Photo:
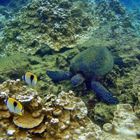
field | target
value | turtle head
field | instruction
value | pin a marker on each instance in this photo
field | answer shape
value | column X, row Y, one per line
column 77, row 80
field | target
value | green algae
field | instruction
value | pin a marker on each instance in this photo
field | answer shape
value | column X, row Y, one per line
column 103, row 113
column 13, row 66
column 12, row 62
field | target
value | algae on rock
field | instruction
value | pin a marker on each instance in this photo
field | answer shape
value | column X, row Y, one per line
column 48, row 22
column 13, row 66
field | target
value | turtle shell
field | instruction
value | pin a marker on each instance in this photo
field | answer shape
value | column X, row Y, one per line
column 95, row 61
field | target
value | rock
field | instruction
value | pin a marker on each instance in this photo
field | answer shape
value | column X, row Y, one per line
column 10, row 132
column 103, row 113
column 4, row 114
column 45, row 50
column 107, row 127
column 65, row 4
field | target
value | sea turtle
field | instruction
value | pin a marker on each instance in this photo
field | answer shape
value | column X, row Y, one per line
column 88, row 66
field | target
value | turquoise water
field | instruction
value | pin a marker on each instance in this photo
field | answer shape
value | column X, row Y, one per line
column 131, row 4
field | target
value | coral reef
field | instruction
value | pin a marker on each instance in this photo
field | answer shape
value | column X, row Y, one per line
column 125, row 124
column 52, row 32
column 61, row 117
column 5, row 14
column 16, row 5
column 57, row 24
column 8, row 9
column 2, row 20
column 103, row 113
column 109, row 10
column 12, row 5
column 54, row 117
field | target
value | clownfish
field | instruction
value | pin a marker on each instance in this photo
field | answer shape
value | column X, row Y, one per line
column 30, row 78
column 14, row 106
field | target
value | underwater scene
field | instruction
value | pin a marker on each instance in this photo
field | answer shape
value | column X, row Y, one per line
column 69, row 69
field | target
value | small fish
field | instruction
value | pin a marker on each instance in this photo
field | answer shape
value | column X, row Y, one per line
column 30, row 78
column 14, row 106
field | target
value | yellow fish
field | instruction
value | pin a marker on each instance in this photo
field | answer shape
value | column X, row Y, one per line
column 14, row 106
column 30, row 78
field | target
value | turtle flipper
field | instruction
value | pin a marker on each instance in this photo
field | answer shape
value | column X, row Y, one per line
column 59, row 75
column 103, row 94
column 77, row 80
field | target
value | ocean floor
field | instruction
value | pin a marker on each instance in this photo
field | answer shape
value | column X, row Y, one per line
column 47, row 35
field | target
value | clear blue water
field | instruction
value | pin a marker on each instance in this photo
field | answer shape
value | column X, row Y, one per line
column 4, row 2
column 131, row 4
column 127, row 3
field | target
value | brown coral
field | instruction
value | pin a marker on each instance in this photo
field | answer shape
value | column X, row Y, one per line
column 62, row 117
column 27, row 120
